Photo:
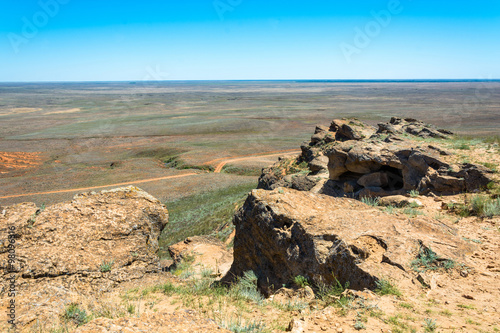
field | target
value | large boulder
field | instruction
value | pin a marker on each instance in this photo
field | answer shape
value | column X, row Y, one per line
column 87, row 245
column 284, row 233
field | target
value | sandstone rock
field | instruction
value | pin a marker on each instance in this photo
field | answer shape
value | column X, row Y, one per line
column 296, row 326
column 89, row 245
column 207, row 252
column 381, row 165
column 284, row 233
column 399, row 201
column 319, row 164
column 287, row 295
column 399, row 166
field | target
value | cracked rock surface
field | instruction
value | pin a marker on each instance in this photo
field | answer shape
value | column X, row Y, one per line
column 284, row 233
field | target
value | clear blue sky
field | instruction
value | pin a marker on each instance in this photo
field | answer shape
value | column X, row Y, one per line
column 104, row 40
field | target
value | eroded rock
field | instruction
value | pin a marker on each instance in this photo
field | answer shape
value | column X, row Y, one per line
column 284, row 233
column 361, row 161
column 84, row 246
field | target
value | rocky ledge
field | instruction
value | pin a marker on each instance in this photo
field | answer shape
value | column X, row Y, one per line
column 351, row 158
column 285, row 233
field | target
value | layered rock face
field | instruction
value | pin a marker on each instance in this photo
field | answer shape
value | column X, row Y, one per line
column 87, row 245
column 284, row 233
column 354, row 159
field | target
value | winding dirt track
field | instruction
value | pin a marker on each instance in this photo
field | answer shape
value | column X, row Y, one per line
column 221, row 165
column 218, row 169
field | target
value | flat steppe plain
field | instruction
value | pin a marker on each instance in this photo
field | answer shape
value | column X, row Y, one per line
column 64, row 136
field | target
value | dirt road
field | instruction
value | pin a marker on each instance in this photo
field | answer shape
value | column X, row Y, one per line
column 221, row 165
column 218, row 169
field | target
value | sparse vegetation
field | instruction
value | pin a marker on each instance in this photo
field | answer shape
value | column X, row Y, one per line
column 412, row 212
column 76, row 315
column 385, row 287
column 300, row 281
column 429, row 325
column 241, row 171
column 414, row 193
column 429, row 260
column 106, row 266
column 202, row 214
column 374, row 202
column 477, row 205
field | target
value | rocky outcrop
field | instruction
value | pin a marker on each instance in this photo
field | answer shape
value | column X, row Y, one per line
column 381, row 168
column 354, row 159
column 284, row 233
column 88, row 245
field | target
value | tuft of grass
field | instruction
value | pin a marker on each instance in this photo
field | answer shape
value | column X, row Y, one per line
column 461, row 144
column 446, row 313
column 106, row 266
column 477, row 205
column 246, row 288
column 429, row 260
column 414, row 193
column 239, row 326
column 406, row 305
column 325, row 291
column 76, row 315
column 389, row 209
column 429, row 325
column 412, row 212
column 291, row 306
column 374, row 202
column 385, row 287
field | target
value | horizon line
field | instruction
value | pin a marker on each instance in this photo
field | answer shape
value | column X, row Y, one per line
column 257, row 80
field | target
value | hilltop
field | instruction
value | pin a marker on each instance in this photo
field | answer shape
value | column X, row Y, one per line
column 389, row 228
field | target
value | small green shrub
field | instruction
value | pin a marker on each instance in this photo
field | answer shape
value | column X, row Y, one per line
column 492, row 208
column 414, row 193
column 76, row 315
column 300, row 281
